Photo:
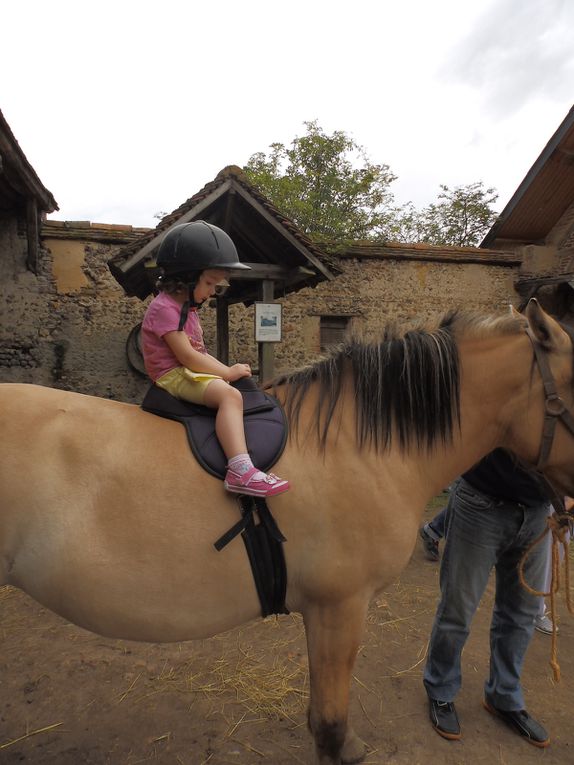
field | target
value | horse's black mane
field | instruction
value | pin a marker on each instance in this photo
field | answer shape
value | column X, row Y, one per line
column 406, row 385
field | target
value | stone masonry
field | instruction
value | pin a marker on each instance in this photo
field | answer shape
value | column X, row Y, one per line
column 68, row 326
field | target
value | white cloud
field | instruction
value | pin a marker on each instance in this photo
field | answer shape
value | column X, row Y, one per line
column 519, row 50
column 127, row 108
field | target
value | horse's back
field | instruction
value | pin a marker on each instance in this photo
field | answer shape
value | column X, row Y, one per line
column 106, row 518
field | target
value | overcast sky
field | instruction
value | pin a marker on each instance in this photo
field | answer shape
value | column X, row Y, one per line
column 128, row 108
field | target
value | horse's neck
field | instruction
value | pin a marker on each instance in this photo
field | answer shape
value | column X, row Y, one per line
column 496, row 390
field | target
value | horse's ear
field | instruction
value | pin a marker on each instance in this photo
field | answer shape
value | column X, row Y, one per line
column 545, row 329
column 513, row 312
column 518, row 315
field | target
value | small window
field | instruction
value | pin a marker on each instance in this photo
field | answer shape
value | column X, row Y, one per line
column 332, row 330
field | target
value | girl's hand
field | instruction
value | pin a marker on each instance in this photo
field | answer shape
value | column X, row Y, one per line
column 237, row 371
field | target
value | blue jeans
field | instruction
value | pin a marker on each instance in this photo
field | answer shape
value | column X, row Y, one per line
column 437, row 527
column 483, row 534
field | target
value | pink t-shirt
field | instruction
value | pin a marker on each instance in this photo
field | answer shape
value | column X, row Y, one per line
column 162, row 316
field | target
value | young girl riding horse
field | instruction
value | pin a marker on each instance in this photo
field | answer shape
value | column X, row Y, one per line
column 195, row 258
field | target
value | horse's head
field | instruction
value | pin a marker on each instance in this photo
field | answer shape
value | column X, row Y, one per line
column 551, row 416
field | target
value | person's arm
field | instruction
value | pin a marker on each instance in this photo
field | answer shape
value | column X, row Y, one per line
column 188, row 357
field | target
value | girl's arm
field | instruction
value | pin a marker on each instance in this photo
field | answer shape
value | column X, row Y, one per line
column 188, row 357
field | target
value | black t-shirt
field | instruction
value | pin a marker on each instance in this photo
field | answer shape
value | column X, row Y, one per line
column 500, row 476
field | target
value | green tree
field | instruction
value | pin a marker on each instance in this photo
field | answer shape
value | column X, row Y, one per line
column 327, row 185
column 461, row 217
column 332, row 191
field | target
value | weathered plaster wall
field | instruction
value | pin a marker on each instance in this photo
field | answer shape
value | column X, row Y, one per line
column 68, row 326
column 65, row 327
column 94, row 320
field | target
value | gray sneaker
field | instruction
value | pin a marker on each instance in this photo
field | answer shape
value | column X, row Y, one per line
column 543, row 623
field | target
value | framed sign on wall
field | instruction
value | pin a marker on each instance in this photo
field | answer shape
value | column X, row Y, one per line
column 268, row 322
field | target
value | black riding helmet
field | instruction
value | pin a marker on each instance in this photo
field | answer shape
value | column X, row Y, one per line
column 195, row 247
column 190, row 248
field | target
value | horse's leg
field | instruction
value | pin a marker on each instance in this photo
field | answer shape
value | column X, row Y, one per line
column 333, row 635
column 354, row 748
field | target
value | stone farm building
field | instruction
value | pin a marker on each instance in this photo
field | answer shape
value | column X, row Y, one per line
column 74, row 292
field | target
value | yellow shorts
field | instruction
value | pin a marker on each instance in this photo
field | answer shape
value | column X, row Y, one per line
column 185, row 384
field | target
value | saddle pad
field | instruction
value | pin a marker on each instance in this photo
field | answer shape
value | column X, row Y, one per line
column 263, row 418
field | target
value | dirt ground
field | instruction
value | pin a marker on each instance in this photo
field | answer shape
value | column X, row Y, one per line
column 68, row 697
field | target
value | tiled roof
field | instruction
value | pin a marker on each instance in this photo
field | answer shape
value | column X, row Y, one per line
column 422, row 251
column 110, row 233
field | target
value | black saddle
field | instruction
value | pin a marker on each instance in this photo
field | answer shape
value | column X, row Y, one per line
column 266, row 435
column 263, row 417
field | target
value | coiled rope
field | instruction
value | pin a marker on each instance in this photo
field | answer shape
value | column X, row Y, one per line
column 558, row 524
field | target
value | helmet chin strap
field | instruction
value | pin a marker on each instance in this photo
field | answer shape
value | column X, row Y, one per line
column 189, row 303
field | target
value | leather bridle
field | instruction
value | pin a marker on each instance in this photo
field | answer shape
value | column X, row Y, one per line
column 554, row 409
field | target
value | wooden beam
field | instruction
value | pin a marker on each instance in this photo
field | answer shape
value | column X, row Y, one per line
column 268, row 271
column 222, row 329
column 229, row 210
column 524, row 286
column 33, row 233
column 431, row 253
column 266, row 350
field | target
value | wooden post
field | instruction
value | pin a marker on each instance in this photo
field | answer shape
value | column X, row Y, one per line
column 33, row 233
column 221, row 304
column 266, row 350
column 222, row 329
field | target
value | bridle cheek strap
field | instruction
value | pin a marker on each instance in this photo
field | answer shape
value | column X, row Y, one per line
column 554, row 408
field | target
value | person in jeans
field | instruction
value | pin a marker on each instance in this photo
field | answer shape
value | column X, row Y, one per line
column 543, row 622
column 435, row 530
column 496, row 510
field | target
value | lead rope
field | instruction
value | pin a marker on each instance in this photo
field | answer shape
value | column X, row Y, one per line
column 557, row 525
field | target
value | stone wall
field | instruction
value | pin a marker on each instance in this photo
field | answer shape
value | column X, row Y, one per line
column 372, row 293
column 68, row 326
column 65, row 327
column 94, row 319
column 28, row 327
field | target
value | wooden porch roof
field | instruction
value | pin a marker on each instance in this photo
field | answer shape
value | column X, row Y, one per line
column 265, row 239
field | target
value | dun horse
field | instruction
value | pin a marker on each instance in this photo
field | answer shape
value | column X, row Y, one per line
column 107, row 520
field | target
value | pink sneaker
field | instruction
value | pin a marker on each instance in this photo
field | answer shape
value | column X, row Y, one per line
column 247, row 484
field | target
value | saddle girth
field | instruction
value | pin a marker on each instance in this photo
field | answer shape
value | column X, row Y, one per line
column 264, row 545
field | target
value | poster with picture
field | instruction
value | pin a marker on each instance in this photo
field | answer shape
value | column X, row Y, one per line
column 268, row 322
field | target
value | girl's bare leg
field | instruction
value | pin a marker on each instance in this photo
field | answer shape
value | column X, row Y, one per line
column 229, row 419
